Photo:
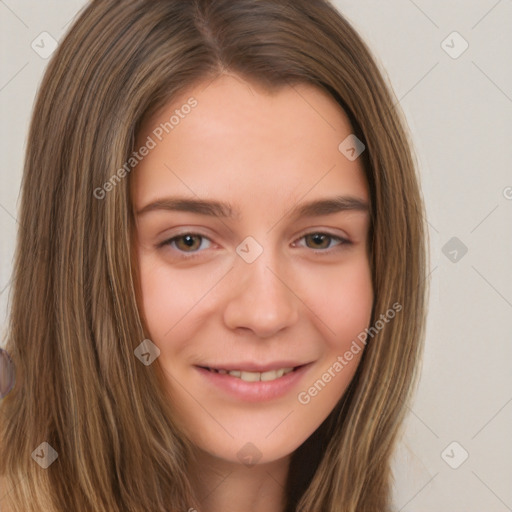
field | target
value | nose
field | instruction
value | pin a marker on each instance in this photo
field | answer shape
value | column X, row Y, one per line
column 261, row 297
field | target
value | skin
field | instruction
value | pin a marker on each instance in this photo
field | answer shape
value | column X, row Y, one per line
column 264, row 153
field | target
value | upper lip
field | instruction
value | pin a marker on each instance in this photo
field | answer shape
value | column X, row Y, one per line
column 251, row 366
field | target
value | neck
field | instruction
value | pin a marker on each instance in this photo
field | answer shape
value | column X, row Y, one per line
column 227, row 486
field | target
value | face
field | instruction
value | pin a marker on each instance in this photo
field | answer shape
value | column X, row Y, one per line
column 251, row 240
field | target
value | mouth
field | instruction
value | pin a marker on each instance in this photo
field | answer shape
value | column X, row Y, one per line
column 252, row 376
column 252, row 382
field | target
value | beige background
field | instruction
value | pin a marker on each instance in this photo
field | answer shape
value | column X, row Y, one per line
column 460, row 113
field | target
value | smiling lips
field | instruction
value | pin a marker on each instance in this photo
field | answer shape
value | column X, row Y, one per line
column 255, row 373
column 252, row 382
column 255, row 376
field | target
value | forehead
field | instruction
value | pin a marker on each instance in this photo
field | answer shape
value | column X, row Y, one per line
column 241, row 139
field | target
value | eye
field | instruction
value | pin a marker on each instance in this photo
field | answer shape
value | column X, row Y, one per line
column 323, row 241
column 192, row 243
column 186, row 242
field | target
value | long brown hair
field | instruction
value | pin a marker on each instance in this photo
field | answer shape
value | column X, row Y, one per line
column 74, row 321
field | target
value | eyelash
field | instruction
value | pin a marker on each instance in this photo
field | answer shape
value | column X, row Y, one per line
column 192, row 254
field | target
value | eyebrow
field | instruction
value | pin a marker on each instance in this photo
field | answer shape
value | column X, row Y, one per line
column 214, row 208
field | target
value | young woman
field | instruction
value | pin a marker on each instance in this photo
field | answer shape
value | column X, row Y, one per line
column 219, row 287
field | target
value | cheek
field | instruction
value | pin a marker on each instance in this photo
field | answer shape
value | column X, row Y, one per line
column 344, row 308
column 342, row 298
column 168, row 298
column 160, row 303
column 352, row 310
column 176, row 304
column 164, row 305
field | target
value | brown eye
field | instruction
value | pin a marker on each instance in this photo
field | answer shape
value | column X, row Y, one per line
column 190, row 242
column 323, row 242
column 186, row 243
column 319, row 240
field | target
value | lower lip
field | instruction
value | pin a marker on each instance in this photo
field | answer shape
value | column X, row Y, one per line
column 255, row 391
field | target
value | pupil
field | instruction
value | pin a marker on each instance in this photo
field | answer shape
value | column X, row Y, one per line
column 188, row 240
column 318, row 238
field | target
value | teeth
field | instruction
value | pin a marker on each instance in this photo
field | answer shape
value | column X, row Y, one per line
column 272, row 375
column 257, row 376
column 249, row 376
